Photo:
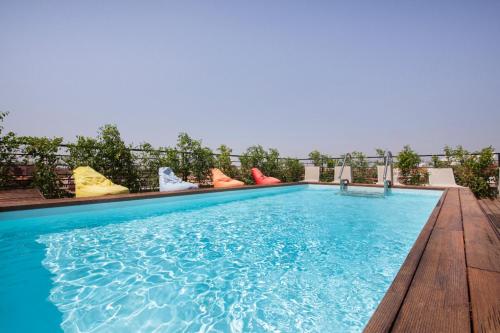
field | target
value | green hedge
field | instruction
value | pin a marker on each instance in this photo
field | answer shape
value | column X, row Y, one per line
column 138, row 169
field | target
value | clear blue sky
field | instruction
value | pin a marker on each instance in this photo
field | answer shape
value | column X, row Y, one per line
column 294, row 75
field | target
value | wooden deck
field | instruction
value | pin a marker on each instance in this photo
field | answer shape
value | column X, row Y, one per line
column 491, row 208
column 15, row 196
column 449, row 282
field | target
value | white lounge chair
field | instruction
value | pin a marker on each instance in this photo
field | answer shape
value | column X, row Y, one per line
column 395, row 176
column 346, row 174
column 380, row 174
column 311, row 174
column 442, row 177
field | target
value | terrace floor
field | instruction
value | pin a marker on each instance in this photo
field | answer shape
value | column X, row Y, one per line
column 492, row 209
column 450, row 281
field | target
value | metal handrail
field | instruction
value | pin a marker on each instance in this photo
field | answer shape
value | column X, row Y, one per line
column 387, row 160
column 343, row 164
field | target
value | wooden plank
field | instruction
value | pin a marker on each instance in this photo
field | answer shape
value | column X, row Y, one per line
column 438, row 300
column 496, row 204
column 386, row 312
column 17, row 195
column 492, row 217
column 450, row 217
column 485, row 300
column 482, row 246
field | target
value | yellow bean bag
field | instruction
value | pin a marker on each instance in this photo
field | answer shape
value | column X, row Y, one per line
column 90, row 183
column 219, row 179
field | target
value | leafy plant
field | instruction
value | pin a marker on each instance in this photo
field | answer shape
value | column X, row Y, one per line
column 361, row 171
column 474, row 170
column 107, row 154
column 149, row 161
column 316, row 157
column 116, row 159
column 42, row 152
column 224, row 163
column 292, row 170
column 8, row 146
column 408, row 164
column 380, row 155
column 326, row 164
column 195, row 159
column 85, row 152
column 436, row 162
column 257, row 157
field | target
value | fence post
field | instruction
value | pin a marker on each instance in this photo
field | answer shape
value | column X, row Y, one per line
column 498, row 175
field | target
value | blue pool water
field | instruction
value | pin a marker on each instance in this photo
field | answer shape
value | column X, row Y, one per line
column 289, row 259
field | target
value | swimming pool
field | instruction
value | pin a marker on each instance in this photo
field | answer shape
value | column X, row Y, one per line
column 288, row 259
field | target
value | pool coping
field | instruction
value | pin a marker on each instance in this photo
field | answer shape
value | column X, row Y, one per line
column 450, row 280
column 50, row 203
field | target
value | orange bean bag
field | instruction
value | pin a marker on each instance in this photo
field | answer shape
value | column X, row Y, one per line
column 260, row 179
column 219, row 179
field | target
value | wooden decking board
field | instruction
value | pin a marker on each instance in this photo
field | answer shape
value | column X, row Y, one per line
column 492, row 212
column 485, row 300
column 14, row 196
column 388, row 309
column 481, row 241
column 438, row 299
column 450, row 216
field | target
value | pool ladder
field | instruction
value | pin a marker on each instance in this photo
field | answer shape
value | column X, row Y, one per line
column 387, row 182
column 388, row 161
column 344, row 182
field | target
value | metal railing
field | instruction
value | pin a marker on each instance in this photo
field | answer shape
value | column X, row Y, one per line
column 369, row 171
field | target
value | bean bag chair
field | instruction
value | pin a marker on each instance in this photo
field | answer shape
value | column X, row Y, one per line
column 170, row 182
column 90, row 183
column 260, row 179
column 219, row 179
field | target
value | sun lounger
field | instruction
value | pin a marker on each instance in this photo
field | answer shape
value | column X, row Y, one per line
column 442, row 177
column 346, row 174
column 380, row 175
column 311, row 174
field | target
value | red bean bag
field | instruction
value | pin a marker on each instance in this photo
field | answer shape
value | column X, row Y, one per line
column 260, row 179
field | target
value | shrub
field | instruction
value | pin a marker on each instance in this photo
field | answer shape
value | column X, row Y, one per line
column 107, row 154
column 326, row 164
column 194, row 158
column 223, row 161
column 256, row 157
column 437, row 163
column 85, row 152
column 316, row 157
column 408, row 164
column 42, row 152
column 380, row 156
column 8, row 146
column 116, row 159
column 272, row 164
column 361, row 171
column 149, row 161
column 474, row 170
column 292, row 170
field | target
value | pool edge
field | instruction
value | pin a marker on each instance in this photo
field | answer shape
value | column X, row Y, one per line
column 52, row 203
column 450, row 280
